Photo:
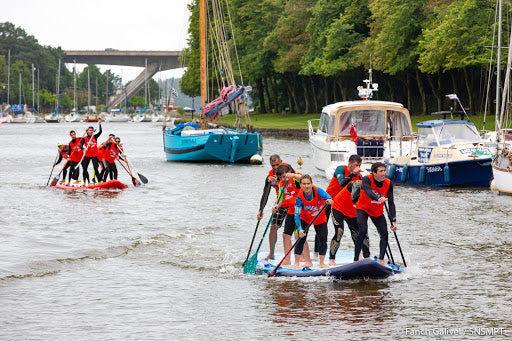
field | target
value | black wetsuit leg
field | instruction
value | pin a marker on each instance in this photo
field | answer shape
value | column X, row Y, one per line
column 321, row 232
column 354, row 231
column 382, row 228
column 300, row 244
column 337, row 220
column 85, row 164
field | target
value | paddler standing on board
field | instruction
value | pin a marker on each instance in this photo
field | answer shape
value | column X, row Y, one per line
column 375, row 191
column 64, row 152
column 289, row 182
column 111, row 153
column 278, row 218
column 308, row 207
column 90, row 144
column 75, row 157
column 343, row 175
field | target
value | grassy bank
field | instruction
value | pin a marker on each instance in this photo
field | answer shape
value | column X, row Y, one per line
column 298, row 121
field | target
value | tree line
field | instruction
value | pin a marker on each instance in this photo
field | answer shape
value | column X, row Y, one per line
column 300, row 55
column 25, row 51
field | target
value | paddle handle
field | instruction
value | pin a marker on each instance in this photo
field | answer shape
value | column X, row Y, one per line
column 273, row 272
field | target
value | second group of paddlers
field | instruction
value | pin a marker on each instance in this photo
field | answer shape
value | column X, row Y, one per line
column 81, row 151
column 349, row 198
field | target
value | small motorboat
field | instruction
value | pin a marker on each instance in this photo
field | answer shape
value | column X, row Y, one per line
column 345, row 269
column 448, row 153
column 112, row 184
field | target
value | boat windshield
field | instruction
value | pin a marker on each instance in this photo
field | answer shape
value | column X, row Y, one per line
column 368, row 122
column 457, row 133
column 426, row 137
column 326, row 124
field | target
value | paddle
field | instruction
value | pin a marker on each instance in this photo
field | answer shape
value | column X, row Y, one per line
column 134, row 181
column 141, row 177
column 274, row 272
column 265, row 191
column 250, row 266
column 56, row 179
column 47, row 182
column 396, row 237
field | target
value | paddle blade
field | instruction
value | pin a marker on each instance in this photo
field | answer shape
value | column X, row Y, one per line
column 250, row 266
column 54, row 181
column 143, row 178
column 272, row 273
column 136, row 182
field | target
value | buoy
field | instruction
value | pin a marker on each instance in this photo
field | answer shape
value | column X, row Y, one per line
column 493, row 185
column 256, row 159
column 423, row 171
column 446, row 174
column 390, row 171
column 300, row 162
column 403, row 177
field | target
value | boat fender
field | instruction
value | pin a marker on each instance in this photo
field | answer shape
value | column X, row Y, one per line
column 405, row 170
column 390, row 171
column 256, row 159
column 423, row 171
column 446, row 174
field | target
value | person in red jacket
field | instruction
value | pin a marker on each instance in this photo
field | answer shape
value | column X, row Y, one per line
column 341, row 177
column 290, row 191
column 344, row 209
column 64, row 151
column 75, row 157
column 111, row 153
column 375, row 191
column 277, row 220
column 90, row 144
column 309, row 203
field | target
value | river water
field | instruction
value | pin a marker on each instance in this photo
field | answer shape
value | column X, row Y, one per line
column 163, row 261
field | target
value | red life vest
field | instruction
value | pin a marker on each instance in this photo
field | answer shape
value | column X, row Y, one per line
column 101, row 149
column 343, row 203
column 372, row 207
column 65, row 155
column 76, row 151
column 110, row 154
column 91, row 145
column 274, row 184
column 334, row 186
column 311, row 207
column 290, row 193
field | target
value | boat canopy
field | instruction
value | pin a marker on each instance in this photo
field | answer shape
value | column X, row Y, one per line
column 446, row 132
column 373, row 119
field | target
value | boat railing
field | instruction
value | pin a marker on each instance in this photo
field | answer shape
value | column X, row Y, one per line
column 313, row 126
column 401, row 145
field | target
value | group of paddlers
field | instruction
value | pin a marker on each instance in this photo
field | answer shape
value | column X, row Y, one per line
column 81, row 151
column 349, row 198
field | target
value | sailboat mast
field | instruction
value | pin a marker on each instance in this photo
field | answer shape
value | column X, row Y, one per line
column 33, row 87
column 88, row 89
column 202, row 45
column 58, row 87
column 8, row 75
column 498, row 80
column 74, row 87
column 20, row 88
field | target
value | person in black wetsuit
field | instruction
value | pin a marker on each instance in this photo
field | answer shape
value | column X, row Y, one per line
column 90, row 144
column 278, row 218
column 64, row 152
column 375, row 191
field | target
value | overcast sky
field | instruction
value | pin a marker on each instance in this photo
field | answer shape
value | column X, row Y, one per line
column 99, row 24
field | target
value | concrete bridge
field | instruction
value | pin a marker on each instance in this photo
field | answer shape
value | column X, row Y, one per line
column 152, row 61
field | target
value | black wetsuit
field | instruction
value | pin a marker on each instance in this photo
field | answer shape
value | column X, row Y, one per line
column 379, row 222
column 87, row 159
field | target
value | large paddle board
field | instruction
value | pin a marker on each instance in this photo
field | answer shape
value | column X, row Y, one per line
column 112, row 184
column 345, row 268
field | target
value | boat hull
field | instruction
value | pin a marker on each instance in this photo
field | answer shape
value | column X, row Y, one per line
column 363, row 269
column 112, row 184
column 460, row 173
column 502, row 174
column 212, row 147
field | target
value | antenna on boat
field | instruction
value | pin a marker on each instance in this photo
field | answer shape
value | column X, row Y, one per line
column 454, row 97
column 367, row 93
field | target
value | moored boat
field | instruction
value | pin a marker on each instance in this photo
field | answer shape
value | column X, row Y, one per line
column 448, row 153
column 375, row 130
column 112, row 184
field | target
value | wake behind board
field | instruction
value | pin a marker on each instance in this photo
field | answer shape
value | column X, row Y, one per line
column 112, row 184
column 345, row 268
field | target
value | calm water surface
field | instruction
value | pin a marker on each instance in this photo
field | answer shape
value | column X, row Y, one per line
column 163, row 261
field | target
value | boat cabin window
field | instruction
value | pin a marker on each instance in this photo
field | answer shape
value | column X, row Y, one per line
column 426, row 137
column 368, row 122
column 457, row 133
column 326, row 123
